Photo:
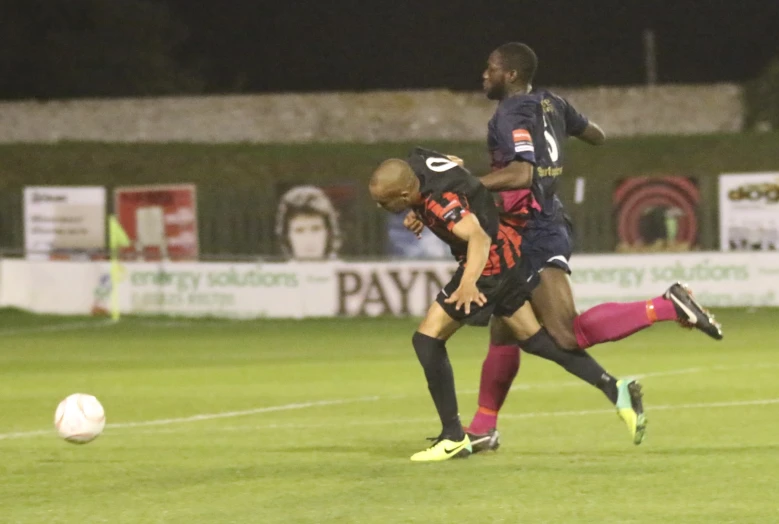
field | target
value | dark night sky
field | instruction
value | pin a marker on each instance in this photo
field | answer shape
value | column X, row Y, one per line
column 347, row 44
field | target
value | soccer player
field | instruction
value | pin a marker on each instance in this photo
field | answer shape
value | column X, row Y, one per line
column 525, row 139
column 491, row 280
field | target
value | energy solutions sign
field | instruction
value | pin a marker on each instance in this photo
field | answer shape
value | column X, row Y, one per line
column 347, row 289
column 62, row 222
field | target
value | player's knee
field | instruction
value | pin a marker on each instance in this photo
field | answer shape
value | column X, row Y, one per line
column 425, row 346
column 563, row 334
column 500, row 333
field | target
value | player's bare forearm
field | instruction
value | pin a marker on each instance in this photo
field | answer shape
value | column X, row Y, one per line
column 592, row 134
column 476, row 258
column 479, row 243
column 516, row 175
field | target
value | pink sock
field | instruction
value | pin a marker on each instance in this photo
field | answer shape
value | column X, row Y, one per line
column 484, row 420
column 615, row 321
column 497, row 374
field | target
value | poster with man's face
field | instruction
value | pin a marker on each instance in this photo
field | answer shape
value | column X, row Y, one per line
column 309, row 220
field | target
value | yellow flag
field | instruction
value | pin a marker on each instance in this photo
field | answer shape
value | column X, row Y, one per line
column 116, row 236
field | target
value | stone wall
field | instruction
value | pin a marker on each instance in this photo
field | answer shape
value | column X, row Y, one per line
column 357, row 117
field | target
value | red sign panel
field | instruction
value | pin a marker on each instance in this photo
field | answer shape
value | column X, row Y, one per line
column 657, row 214
column 161, row 221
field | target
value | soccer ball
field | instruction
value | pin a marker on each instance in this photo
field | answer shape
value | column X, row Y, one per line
column 79, row 418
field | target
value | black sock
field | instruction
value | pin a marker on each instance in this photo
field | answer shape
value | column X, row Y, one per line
column 432, row 354
column 578, row 362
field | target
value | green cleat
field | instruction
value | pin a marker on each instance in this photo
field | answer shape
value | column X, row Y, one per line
column 630, row 408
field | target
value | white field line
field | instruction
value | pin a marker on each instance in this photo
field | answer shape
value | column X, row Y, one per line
column 66, row 326
column 243, row 413
column 537, row 414
column 666, row 407
column 26, row 434
column 640, row 376
column 576, row 383
column 205, row 416
column 379, row 422
column 304, row 405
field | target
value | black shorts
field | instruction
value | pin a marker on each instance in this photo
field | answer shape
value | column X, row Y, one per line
column 505, row 293
column 547, row 242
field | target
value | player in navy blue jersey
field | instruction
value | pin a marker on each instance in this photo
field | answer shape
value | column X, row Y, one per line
column 526, row 139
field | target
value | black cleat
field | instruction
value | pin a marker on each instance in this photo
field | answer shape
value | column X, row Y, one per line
column 690, row 314
column 489, row 441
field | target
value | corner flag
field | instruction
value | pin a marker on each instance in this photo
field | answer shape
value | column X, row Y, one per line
column 117, row 239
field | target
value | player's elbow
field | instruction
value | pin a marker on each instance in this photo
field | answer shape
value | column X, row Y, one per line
column 593, row 135
column 521, row 175
column 473, row 233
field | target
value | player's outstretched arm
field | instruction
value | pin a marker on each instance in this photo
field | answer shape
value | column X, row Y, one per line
column 479, row 242
column 592, row 134
column 516, row 175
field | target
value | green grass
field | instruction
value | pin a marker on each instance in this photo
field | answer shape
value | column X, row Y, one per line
column 566, row 458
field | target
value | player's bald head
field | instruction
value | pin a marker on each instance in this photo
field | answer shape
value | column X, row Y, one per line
column 392, row 175
column 394, row 185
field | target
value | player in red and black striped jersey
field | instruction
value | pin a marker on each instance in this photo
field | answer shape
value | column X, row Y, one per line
column 491, row 280
column 447, row 199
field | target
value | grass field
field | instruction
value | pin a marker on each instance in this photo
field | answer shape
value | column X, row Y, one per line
column 314, row 421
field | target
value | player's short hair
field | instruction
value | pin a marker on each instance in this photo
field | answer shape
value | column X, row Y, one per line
column 519, row 57
column 307, row 200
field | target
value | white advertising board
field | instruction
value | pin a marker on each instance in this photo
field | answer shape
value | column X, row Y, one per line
column 749, row 212
column 330, row 289
column 63, row 221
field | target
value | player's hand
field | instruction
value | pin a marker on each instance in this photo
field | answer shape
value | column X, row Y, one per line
column 466, row 294
column 413, row 224
column 457, row 160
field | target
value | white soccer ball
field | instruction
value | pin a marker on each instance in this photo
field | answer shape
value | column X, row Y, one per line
column 79, row 418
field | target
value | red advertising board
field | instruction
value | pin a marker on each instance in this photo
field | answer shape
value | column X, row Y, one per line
column 161, row 221
column 655, row 214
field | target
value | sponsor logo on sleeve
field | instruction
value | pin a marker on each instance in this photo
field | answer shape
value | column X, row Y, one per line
column 523, row 142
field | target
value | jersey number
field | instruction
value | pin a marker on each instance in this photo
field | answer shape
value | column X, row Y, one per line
column 551, row 145
column 439, row 165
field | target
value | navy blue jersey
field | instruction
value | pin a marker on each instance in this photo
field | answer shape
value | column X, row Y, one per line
column 533, row 127
column 450, row 193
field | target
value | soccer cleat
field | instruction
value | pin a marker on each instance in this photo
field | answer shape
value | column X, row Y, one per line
column 444, row 449
column 630, row 408
column 690, row 313
column 489, row 441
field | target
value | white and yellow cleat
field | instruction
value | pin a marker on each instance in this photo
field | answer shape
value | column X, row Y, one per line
column 630, row 408
column 444, row 449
